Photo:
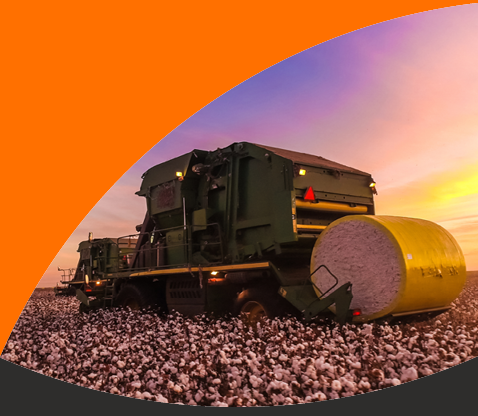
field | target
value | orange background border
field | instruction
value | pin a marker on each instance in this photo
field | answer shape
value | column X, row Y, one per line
column 88, row 88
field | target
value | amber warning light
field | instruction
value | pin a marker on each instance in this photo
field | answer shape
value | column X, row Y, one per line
column 373, row 186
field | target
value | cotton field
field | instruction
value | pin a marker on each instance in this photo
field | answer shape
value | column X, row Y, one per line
column 223, row 362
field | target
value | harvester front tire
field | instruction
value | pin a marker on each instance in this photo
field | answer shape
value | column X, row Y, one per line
column 134, row 296
column 84, row 308
column 254, row 311
column 256, row 304
column 260, row 302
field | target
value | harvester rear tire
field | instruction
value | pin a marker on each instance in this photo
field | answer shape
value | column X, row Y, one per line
column 134, row 296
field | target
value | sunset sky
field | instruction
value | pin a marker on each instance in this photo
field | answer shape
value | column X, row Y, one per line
column 398, row 100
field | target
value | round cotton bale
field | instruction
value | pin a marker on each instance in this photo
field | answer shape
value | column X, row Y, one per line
column 397, row 265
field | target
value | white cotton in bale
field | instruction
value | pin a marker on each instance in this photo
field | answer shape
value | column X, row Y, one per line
column 359, row 253
column 396, row 265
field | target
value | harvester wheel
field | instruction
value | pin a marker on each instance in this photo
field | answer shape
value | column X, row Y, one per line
column 258, row 303
column 134, row 296
column 263, row 302
column 84, row 308
column 254, row 311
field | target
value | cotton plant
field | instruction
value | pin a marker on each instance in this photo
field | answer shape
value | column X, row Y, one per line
column 222, row 362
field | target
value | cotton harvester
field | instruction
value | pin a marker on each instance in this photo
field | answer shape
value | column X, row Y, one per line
column 266, row 231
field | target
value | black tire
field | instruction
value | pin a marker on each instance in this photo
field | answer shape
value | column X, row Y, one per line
column 254, row 311
column 259, row 303
column 263, row 302
column 135, row 296
column 83, row 308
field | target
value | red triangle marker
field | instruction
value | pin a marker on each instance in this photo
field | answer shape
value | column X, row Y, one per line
column 309, row 194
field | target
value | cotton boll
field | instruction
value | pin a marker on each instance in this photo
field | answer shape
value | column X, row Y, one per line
column 184, row 378
column 408, row 374
column 320, row 396
column 334, row 395
column 283, row 357
column 389, row 348
column 377, row 374
column 255, row 381
column 425, row 371
column 198, row 397
column 348, row 386
column 455, row 360
column 219, row 404
column 366, row 330
column 364, row 385
column 355, row 365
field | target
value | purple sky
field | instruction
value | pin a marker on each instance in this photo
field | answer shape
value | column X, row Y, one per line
column 398, row 99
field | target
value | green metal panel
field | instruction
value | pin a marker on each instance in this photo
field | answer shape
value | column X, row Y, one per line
column 164, row 172
column 303, row 297
column 250, row 191
column 335, row 187
column 81, row 296
column 165, row 191
column 261, row 202
column 199, row 220
column 176, row 249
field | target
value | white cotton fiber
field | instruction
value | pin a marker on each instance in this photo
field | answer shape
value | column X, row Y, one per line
column 360, row 253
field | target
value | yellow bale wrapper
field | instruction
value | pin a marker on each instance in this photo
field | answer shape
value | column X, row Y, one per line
column 397, row 266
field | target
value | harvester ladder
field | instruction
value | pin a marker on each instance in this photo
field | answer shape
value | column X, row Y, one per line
column 108, row 296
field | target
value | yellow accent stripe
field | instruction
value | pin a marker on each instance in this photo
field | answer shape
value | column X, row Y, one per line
column 443, row 308
column 294, row 218
column 204, row 269
column 306, row 227
column 330, row 206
